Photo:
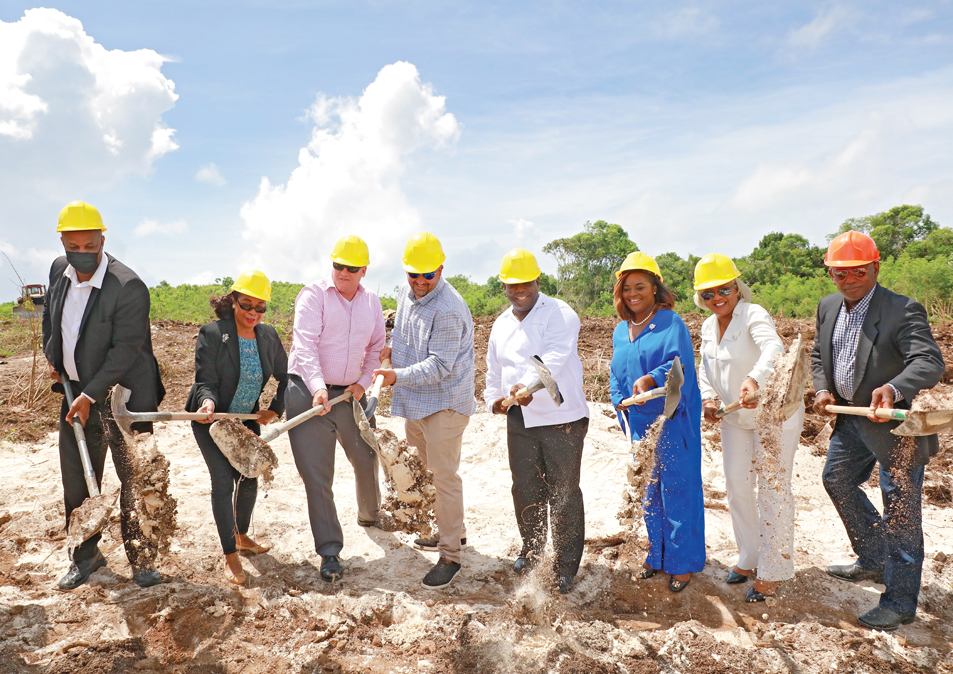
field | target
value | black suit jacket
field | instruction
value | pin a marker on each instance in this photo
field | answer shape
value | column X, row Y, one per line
column 896, row 346
column 115, row 338
column 218, row 365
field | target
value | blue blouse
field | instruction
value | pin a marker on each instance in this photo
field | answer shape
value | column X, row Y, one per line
column 249, row 383
column 652, row 352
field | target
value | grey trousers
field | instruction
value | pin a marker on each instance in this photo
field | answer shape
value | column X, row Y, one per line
column 313, row 445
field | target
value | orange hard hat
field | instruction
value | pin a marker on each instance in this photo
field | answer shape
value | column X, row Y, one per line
column 851, row 249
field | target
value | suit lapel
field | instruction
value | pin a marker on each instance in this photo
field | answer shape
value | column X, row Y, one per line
column 230, row 337
column 826, row 335
column 868, row 336
column 93, row 294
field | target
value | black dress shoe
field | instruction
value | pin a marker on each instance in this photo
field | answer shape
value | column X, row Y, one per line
column 676, row 585
column 736, row 578
column 645, row 573
column 854, row 572
column 525, row 563
column 564, row 583
column 883, row 619
column 755, row 596
column 147, row 578
column 331, row 568
column 79, row 572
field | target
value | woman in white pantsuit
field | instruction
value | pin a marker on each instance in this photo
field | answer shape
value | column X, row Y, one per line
column 739, row 344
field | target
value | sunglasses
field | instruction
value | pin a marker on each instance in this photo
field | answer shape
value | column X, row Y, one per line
column 841, row 274
column 724, row 292
column 429, row 275
column 250, row 307
column 342, row 267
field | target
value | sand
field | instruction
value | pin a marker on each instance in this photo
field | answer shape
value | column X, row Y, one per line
column 378, row 618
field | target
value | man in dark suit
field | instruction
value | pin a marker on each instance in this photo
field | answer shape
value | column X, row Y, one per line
column 96, row 330
column 874, row 349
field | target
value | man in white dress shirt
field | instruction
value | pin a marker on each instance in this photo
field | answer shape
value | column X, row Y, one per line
column 545, row 441
column 96, row 330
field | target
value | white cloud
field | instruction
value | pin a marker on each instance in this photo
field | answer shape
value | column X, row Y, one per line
column 150, row 227
column 203, row 278
column 348, row 177
column 523, row 229
column 827, row 22
column 211, row 175
column 75, row 116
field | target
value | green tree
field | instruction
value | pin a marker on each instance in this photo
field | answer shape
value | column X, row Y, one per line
column 587, row 262
column 892, row 230
column 779, row 254
column 678, row 274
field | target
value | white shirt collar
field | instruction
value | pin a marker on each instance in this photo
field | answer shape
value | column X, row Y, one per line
column 96, row 281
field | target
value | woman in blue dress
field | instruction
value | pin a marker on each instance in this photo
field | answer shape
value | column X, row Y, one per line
column 644, row 346
column 234, row 358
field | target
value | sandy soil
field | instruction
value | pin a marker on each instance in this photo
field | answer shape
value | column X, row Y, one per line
column 378, row 618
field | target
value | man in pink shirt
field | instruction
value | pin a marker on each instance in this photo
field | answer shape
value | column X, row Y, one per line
column 338, row 335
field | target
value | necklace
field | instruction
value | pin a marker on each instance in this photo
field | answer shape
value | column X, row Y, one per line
column 642, row 322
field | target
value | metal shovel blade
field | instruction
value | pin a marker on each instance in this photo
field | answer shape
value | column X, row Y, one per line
column 673, row 388
column 546, row 378
column 926, row 423
column 794, row 387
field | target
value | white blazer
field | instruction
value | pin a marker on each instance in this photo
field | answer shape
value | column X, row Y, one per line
column 747, row 349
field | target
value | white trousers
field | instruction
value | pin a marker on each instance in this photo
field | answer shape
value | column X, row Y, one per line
column 762, row 510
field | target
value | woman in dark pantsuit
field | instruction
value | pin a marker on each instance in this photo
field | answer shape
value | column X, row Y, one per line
column 234, row 358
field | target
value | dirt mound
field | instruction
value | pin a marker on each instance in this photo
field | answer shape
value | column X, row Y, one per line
column 247, row 453
column 155, row 507
column 411, row 496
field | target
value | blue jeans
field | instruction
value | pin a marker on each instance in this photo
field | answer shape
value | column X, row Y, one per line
column 894, row 542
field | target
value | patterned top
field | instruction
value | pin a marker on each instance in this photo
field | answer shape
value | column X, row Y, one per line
column 432, row 355
column 847, row 331
column 249, row 384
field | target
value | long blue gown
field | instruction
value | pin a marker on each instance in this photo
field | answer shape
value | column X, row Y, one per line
column 675, row 504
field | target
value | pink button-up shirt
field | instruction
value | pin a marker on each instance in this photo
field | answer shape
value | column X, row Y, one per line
column 336, row 342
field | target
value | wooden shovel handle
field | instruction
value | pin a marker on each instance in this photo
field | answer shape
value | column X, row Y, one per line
column 736, row 405
column 896, row 415
column 643, row 397
column 522, row 393
column 379, row 380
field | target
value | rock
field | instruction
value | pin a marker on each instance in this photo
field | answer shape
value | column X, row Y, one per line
column 428, row 646
column 377, row 641
column 940, row 557
column 770, row 601
column 823, row 438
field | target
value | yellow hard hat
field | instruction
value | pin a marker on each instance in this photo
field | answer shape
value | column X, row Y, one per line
column 78, row 216
column 254, row 284
column 714, row 270
column 423, row 253
column 639, row 261
column 351, row 250
column 519, row 266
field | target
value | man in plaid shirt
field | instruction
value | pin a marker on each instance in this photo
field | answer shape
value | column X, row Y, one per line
column 874, row 349
column 433, row 364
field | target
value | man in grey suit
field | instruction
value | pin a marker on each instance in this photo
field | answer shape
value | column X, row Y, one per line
column 96, row 330
column 874, row 349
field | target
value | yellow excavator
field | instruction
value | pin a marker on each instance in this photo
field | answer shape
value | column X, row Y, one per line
column 30, row 302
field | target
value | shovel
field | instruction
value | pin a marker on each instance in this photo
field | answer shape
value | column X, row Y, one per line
column 793, row 387
column 545, row 381
column 367, row 433
column 125, row 419
column 914, row 423
column 249, row 453
column 672, row 391
column 91, row 516
column 375, row 391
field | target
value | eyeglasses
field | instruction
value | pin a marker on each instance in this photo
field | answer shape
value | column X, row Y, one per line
column 724, row 292
column 858, row 273
column 342, row 267
column 429, row 275
column 250, row 307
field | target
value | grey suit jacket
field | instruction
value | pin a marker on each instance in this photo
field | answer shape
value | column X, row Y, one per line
column 115, row 340
column 896, row 347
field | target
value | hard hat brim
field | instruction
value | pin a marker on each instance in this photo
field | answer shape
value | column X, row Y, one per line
column 714, row 283
column 619, row 273
column 348, row 263
column 251, row 294
column 849, row 263
column 416, row 270
column 514, row 281
column 62, row 228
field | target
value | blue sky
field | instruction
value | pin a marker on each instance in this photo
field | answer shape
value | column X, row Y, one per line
column 699, row 127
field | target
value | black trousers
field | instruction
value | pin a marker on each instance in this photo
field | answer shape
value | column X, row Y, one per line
column 233, row 494
column 545, row 462
column 101, row 431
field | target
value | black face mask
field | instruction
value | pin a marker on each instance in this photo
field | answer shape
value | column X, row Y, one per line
column 83, row 263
